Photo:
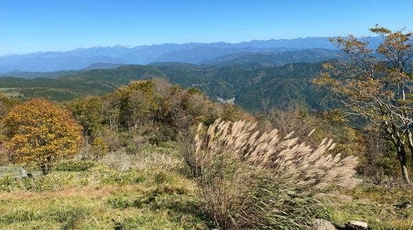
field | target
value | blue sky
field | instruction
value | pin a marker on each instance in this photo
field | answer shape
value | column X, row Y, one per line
column 58, row 25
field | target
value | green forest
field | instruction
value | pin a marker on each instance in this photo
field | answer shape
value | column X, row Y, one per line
column 235, row 145
column 239, row 81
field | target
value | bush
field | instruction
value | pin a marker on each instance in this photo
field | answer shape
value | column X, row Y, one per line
column 249, row 179
column 74, row 166
column 99, row 148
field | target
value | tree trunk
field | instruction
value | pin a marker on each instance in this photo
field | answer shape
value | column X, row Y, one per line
column 401, row 156
column 45, row 168
column 392, row 131
column 405, row 174
column 410, row 139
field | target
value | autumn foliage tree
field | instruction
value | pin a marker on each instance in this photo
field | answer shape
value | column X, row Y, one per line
column 39, row 132
column 377, row 85
column 158, row 102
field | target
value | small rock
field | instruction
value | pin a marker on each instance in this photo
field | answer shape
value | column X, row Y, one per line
column 356, row 225
column 320, row 224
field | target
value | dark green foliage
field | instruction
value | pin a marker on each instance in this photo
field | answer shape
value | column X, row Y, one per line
column 69, row 218
column 74, row 166
column 92, row 82
column 88, row 111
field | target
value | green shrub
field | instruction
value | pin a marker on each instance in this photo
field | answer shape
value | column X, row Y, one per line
column 69, row 217
column 74, row 166
column 119, row 202
column 19, row 215
column 7, row 183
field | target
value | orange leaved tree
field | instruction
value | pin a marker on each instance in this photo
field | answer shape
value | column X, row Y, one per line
column 41, row 133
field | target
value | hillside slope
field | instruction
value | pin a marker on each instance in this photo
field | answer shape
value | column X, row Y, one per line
column 252, row 85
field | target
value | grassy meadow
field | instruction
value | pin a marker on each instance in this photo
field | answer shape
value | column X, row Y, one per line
column 130, row 192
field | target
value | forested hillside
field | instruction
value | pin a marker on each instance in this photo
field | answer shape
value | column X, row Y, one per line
column 252, row 85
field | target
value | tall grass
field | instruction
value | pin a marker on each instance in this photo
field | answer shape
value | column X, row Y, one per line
column 253, row 179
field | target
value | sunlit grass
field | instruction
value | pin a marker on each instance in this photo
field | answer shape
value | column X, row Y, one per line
column 376, row 205
column 100, row 198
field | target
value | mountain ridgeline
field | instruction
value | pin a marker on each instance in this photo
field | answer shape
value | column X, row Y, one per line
column 195, row 53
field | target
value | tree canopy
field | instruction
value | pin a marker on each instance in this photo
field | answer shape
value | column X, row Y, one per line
column 40, row 132
column 377, row 85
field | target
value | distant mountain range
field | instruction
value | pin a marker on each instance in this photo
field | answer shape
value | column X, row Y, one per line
column 195, row 53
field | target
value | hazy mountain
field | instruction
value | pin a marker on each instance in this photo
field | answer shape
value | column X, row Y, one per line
column 191, row 53
column 48, row 62
column 298, row 43
column 245, row 60
column 208, row 55
column 32, row 75
column 102, row 65
column 196, row 53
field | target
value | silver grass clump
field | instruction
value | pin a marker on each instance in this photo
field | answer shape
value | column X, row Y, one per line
column 286, row 157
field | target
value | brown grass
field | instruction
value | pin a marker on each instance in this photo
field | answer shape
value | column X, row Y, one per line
column 284, row 156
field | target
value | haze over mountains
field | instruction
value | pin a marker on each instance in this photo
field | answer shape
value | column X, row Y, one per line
column 195, row 53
